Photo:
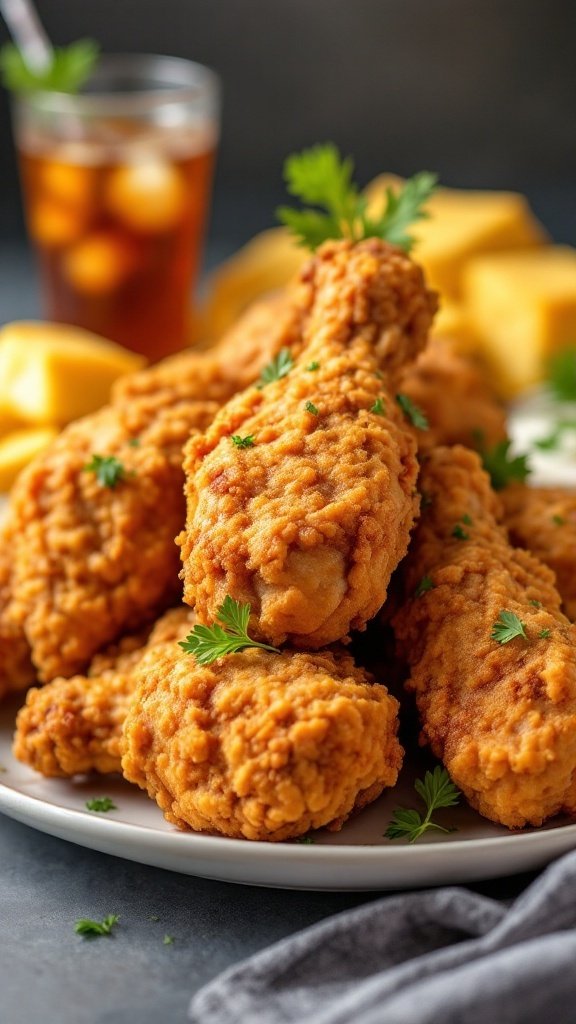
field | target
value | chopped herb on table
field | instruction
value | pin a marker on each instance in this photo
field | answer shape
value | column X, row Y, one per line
column 412, row 412
column 507, row 627
column 322, row 179
column 108, row 470
column 168, row 940
column 207, row 643
column 85, row 926
column 101, row 804
column 436, row 790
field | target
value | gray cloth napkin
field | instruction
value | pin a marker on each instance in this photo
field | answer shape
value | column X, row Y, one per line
column 446, row 956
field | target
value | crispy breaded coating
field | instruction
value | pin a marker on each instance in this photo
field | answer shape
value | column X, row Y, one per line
column 456, row 397
column 91, row 562
column 543, row 520
column 17, row 669
column 502, row 717
column 308, row 522
column 259, row 746
column 74, row 726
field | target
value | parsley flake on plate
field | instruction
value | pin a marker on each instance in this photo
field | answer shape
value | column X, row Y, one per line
column 85, row 926
column 101, row 804
column 507, row 627
column 436, row 790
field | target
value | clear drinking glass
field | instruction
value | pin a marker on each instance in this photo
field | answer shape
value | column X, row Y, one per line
column 116, row 183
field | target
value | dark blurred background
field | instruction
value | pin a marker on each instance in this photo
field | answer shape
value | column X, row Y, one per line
column 482, row 91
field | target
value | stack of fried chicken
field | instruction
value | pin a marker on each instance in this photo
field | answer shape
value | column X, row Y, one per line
column 302, row 496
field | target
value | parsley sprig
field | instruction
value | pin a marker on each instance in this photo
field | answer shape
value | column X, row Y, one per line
column 85, row 926
column 436, row 790
column 507, row 627
column 503, row 467
column 562, row 375
column 243, row 442
column 69, row 69
column 108, row 469
column 412, row 412
column 207, row 643
column 322, row 178
column 277, row 368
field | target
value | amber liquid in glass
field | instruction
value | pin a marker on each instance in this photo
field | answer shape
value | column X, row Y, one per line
column 119, row 232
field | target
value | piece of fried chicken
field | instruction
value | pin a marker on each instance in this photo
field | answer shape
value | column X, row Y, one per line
column 17, row 668
column 74, row 726
column 543, row 520
column 301, row 495
column 90, row 562
column 501, row 716
column 455, row 395
column 260, row 746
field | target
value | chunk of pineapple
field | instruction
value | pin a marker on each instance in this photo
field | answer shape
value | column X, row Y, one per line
column 522, row 306
column 17, row 450
column 53, row 373
column 462, row 224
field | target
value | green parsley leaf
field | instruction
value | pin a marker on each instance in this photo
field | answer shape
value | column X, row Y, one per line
column 134, row 442
column 84, row 926
column 277, row 368
column 460, row 533
column 562, row 375
column 70, row 68
column 320, row 176
column 507, row 627
column 207, row 643
column 168, row 940
column 466, row 519
column 426, row 584
column 551, row 442
column 379, row 408
column 502, row 467
column 436, row 790
column 311, row 408
column 558, row 520
column 243, row 442
column 108, row 469
column 314, row 365
column 305, row 840
column 101, row 804
column 403, row 207
column 536, row 604
column 544, row 634
column 412, row 412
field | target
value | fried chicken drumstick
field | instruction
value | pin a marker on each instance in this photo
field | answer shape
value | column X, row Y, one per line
column 89, row 562
column 74, row 726
column 301, row 495
column 259, row 746
column 501, row 716
column 543, row 520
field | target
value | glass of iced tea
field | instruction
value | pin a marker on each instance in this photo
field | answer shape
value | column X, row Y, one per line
column 116, row 183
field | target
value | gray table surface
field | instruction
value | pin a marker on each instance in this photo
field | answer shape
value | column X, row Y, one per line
column 47, row 972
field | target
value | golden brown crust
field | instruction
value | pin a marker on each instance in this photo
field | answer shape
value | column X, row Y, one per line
column 17, row 671
column 74, row 726
column 259, row 746
column 543, row 520
column 501, row 717
column 92, row 562
column 456, row 397
column 309, row 523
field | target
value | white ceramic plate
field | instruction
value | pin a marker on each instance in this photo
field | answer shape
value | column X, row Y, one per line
column 358, row 857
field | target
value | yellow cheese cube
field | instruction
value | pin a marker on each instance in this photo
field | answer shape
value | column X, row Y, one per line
column 19, row 448
column 53, row 373
column 463, row 224
column 522, row 307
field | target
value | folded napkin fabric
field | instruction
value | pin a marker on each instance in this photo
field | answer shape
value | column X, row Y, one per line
column 446, row 956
